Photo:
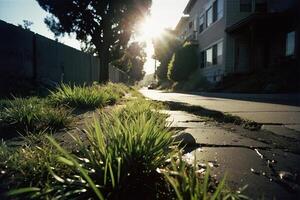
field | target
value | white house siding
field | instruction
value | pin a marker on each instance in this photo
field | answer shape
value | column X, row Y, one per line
column 209, row 36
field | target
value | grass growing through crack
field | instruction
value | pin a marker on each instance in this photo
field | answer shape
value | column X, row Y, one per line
column 213, row 114
column 87, row 96
column 190, row 182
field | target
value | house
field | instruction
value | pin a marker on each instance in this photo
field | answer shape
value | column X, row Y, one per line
column 241, row 36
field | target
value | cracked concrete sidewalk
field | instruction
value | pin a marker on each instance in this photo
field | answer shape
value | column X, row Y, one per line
column 267, row 159
column 270, row 170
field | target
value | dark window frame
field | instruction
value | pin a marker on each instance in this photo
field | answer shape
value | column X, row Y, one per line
column 215, row 54
column 201, row 25
column 190, row 24
column 203, row 59
column 212, row 16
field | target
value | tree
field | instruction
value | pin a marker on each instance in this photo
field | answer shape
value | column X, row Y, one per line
column 26, row 24
column 104, row 26
column 132, row 61
column 164, row 47
column 183, row 63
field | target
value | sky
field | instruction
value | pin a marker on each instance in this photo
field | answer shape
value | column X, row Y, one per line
column 164, row 14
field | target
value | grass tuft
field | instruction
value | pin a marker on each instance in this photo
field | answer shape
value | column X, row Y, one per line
column 87, row 96
column 124, row 148
column 32, row 114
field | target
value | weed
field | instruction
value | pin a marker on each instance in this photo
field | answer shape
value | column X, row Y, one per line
column 191, row 183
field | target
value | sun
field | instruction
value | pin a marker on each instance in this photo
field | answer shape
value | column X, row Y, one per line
column 149, row 29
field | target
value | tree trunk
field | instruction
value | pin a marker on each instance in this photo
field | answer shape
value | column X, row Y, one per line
column 104, row 64
column 103, row 53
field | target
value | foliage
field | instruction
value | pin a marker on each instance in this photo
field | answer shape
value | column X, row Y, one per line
column 196, row 81
column 87, row 96
column 132, row 62
column 183, row 63
column 164, row 47
column 32, row 114
column 105, row 26
column 26, row 24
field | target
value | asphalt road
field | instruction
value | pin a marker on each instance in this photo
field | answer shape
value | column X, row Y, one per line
column 269, row 109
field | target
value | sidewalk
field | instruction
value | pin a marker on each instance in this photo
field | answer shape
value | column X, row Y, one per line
column 257, row 108
column 268, row 162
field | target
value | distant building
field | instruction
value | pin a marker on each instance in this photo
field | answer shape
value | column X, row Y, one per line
column 240, row 36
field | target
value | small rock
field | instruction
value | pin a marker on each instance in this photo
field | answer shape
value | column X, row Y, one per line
column 185, row 138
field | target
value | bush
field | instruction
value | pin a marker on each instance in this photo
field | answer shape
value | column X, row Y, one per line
column 196, row 82
column 183, row 63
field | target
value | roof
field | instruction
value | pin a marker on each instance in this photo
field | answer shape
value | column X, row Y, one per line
column 183, row 20
column 189, row 6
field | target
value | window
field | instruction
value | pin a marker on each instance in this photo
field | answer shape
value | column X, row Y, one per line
column 195, row 24
column 290, row 44
column 212, row 56
column 215, row 51
column 201, row 24
column 203, row 59
column 209, row 57
column 190, row 25
column 215, row 16
column 209, row 17
column 245, row 5
column 220, row 53
column 220, row 7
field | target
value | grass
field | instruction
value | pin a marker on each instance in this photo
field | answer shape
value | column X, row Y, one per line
column 35, row 114
column 120, row 158
column 29, row 164
column 87, row 96
column 125, row 148
column 190, row 182
column 32, row 114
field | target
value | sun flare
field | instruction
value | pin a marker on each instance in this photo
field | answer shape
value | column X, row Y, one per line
column 149, row 29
